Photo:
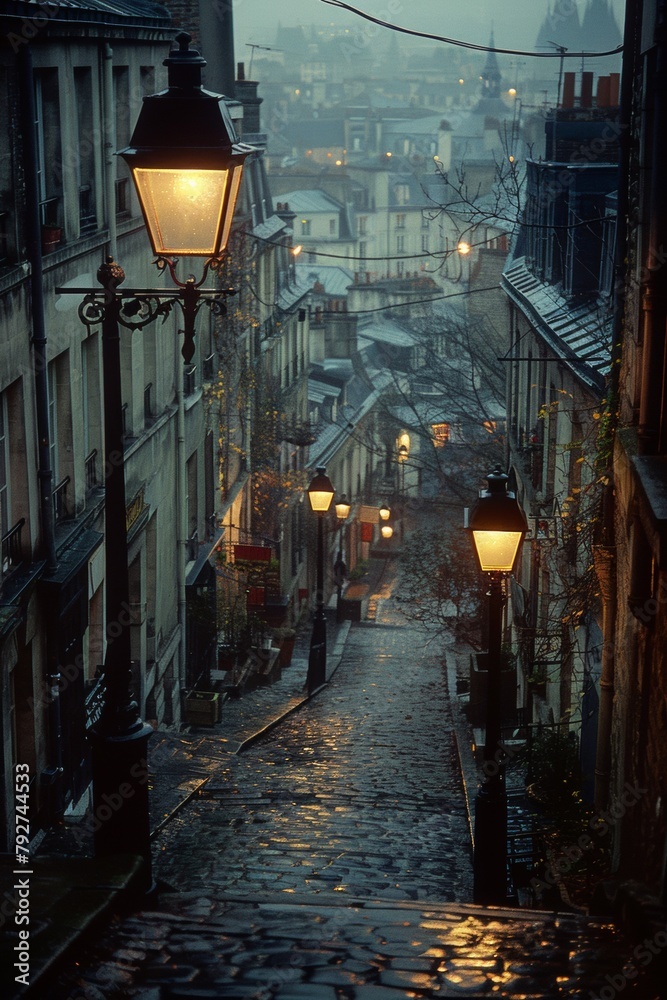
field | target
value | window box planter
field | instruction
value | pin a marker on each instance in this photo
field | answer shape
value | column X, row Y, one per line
column 51, row 236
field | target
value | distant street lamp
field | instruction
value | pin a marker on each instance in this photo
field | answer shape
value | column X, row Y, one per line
column 498, row 526
column 384, row 512
column 187, row 168
column 343, row 508
column 320, row 495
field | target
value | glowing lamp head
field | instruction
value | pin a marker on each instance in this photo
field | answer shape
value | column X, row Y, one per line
column 320, row 492
column 386, row 531
column 498, row 526
column 186, row 162
column 384, row 512
column 343, row 508
column 463, row 247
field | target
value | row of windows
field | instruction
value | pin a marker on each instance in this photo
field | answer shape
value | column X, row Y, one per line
column 70, row 154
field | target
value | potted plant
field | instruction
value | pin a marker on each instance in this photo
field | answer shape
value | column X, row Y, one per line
column 284, row 639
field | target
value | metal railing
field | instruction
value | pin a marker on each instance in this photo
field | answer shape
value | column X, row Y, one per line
column 12, row 555
column 59, row 496
column 208, row 368
column 87, row 217
column 94, row 702
column 91, row 471
column 148, row 402
column 189, row 379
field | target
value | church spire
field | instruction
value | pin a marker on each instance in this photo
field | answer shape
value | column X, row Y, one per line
column 491, row 73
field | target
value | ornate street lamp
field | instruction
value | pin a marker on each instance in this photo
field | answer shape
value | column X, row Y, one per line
column 498, row 526
column 187, row 168
column 186, row 163
column 320, row 495
column 343, row 508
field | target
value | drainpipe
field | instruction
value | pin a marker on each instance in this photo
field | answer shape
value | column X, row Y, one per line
column 109, row 143
column 44, row 471
column 182, row 520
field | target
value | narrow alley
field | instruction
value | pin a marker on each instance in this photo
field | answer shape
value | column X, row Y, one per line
column 330, row 860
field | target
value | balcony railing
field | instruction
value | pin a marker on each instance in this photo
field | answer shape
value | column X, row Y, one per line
column 122, row 196
column 192, row 546
column 208, row 368
column 11, row 548
column 91, row 471
column 94, row 702
column 148, row 402
column 59, row 495
column 4, row 237
column 189, row 379
column 87, row 217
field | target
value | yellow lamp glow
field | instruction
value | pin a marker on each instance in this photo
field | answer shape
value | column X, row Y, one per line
column 343, row 508
column 384, row 512
column 386, row 531
column 320, row 492
column 463, row 247
column 498, row 525
column 186, row 162
column 496, row 550
column 185, row 209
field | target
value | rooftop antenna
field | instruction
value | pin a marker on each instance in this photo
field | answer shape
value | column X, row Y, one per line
column 264, row 48
column 562, row 49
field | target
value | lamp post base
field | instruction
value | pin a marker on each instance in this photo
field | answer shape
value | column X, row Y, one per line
column 120, row 795
column 490, row 857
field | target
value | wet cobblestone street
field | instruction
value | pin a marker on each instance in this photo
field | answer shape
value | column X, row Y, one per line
column 330, row 860
column 358, row 792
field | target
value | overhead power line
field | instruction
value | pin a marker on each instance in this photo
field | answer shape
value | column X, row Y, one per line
column 471, row 45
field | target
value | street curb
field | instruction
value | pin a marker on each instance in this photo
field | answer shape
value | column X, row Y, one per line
column 336, row 657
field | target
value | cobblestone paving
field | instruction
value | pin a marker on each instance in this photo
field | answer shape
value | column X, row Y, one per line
column 331, row 861
column 199, row 946
column 357, row 793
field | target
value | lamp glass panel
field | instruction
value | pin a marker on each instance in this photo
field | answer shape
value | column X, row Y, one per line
column 183, row 208
column 497, row 550
column 320, row 500
column 342, row 510
column 387, row 531
column 384, row 513
column 234, row 184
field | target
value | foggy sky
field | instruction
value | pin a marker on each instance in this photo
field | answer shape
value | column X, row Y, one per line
column 515, row 22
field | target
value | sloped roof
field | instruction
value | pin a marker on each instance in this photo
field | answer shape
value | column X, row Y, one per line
column 578, row 332
column 132, row 12
column 334, row 279
column 307, row 200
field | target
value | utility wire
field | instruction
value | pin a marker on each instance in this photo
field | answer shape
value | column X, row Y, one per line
column 560, row 54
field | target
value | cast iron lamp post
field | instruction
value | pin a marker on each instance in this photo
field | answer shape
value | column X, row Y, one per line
column 343, row 508
column 498, row 526
column 320, row 495
column 186, row 165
